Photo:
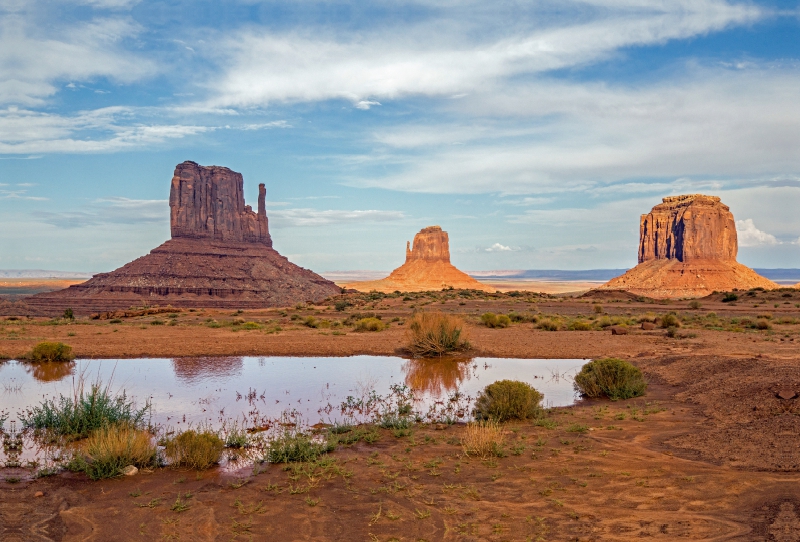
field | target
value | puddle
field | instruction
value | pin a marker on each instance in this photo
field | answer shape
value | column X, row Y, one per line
column 252, row 391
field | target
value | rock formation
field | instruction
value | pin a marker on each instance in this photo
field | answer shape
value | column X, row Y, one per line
column 687, row 248
column 427, row 267
column 220, row 256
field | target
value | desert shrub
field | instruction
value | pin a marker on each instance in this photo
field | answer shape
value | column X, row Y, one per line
column 694, row 304
column 111, row 448
column 765, row 315
column 490, row 319
column 194, row 449
column 548, row 324
column 251, row 325
column 483, row 439
column 51, row 351
column 85, row 412
column 506, row 400
column 435, row 334
column 579, row 325
column 672, row 332
column 294, row 447
column 729, row 296
column 115, row 321
column 761, row 323
column 68, row 314
column 157, row 323
column 370, row 324
column 341, row 305
column 610, row 377
column 670, row 320
column 598, row 308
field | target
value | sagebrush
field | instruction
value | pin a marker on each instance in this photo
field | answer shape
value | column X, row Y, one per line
column 610, row 377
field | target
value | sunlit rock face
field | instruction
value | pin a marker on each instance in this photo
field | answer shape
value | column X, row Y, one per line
column 687, row 248
column 220, row 256
column 427, row 267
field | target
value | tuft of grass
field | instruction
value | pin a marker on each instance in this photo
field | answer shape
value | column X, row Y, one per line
column 548, row 324
column 292, row 447
column 84, row 412
column 490, row 319
column 370, row 324
column 610, row 377
column 111, row 448
column 598, row 308
column 51, row 351
column 435, row 334
column 508, row 399
column 483, row 439
column 194, row 449
column 579, row 325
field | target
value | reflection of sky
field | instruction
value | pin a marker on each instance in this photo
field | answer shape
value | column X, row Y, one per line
column 205, row 389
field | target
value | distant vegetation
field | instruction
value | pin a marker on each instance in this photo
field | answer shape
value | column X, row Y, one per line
column 490, row 319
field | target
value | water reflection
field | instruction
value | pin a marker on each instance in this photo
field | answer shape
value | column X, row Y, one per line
column 191, row 370
column 437, row 376
column 50, row 371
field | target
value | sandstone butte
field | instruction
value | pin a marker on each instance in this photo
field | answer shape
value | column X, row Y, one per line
column 220, row 256
column 427, row 267
column 687, row 248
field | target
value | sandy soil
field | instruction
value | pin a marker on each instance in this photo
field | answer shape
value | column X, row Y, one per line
column 711, row 453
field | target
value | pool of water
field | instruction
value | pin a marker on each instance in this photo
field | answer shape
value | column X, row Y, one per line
column 255, row 391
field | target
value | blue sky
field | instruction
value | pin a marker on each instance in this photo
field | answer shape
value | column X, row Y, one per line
column 534, row 132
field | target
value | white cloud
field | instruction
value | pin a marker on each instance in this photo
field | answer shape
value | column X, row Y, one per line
column 435, row 58
column 497, row 247
column 366, row 104
column 313, row 217
column 104, row 211
column 750, row 236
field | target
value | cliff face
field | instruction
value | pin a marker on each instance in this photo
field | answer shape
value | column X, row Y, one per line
column 430, row 244
column 686, row 228
column 207, row 202
column 687, row 248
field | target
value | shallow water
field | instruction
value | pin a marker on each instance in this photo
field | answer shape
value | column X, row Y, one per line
column 254, row 390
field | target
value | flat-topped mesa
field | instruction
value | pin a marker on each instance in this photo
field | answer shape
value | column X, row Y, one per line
column 430, row 244
column 687, row 228
column 207, row 202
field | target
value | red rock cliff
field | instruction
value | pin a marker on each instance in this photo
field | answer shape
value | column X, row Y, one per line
column 430, row 244
column 207, row 202
column 686, row 228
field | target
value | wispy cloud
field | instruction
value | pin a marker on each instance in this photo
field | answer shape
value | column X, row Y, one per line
column 313, row 217
column 106, row 211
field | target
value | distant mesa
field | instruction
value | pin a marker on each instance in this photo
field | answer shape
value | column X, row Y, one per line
column 427, row 267
column 220, row 256
column 687, row 248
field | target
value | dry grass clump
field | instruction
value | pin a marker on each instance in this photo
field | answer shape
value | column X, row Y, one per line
column 483, row 439
column 111, row 448
column 370, row 324
column 610, row 377
column 508, row 400
column 51, row 351
column 490, row 319
column 435, row 334
column 193, row 449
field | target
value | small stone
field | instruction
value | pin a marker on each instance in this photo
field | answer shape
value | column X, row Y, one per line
column 130, row 470
column 38, row 494
column 619, row 330
column 648, row 326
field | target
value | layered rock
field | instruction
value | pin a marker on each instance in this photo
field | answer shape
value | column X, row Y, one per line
column 687, row 248
column 427, row 267
column 220, row 256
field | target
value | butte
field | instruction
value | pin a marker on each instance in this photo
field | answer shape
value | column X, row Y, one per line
column 687, row 248
column 427, row 267
column 220, row 256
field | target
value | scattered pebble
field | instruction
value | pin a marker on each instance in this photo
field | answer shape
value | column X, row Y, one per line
column 38, row 494
column 130, row 470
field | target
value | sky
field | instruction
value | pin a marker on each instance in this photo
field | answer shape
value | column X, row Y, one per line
column 534, row 132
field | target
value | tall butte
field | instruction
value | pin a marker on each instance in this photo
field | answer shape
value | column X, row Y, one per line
column 427, row 267
column 220, row 256
column 687, row 248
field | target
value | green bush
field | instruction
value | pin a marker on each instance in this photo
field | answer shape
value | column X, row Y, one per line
column 728, row 297
column 695, row 304
column 508, row 399
column 549, row 325
column 490, row 319
column 341, row 305
column 370, row 324
column 51, row 351
column 68, row 314
column 579, row 325
column 193, row 449
column 670, row 320
column 77, row 416
column 251, row 325
column 610, row 377
column 292, row 447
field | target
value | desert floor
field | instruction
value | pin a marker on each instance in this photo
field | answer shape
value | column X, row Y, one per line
column 712, row 451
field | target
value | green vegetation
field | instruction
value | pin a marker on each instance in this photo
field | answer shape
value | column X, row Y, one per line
column 85, row 412
column 508, row 399
column 293, row 447
column 729, row 296
column 194, row 449
column 610, row 377
column 370, row 324
column 51, row 351
column 435, row 334
column 490, row 319
column 670, row 320
column 112, row 448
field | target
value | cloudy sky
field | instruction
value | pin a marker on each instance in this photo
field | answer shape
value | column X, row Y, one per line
column 534, row 132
